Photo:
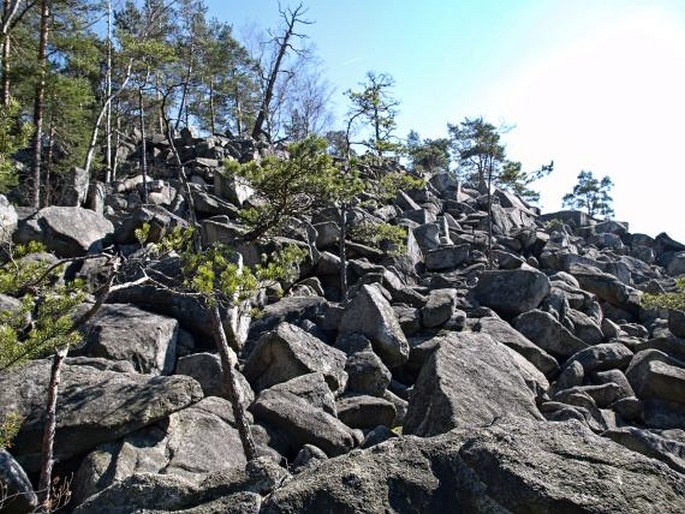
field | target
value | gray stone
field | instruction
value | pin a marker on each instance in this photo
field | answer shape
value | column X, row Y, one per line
column 617, row 377
column 124, row 332
column 367, row 374
column 369, row 313
column 74, row 189
column 572, row 375
column 655, row 375
column 439, row 307
column 584, row 327
column 511, row 292
column 234, row 189
column 97, row 403
column 364, row 411
column 8, row 219
column 546, row 332
column 312, row 388
column 287, row 352
column 608, row 288
column 16, row 492
column 446, row 257
column 604, row 395
column 504, row 333
column 66, row 231
column 427, row 236
column 192, row 442
column 604, row 356
column 676, row 323
column 519, row 466
column 470, row 379
column 302, row 423
column 650, row 444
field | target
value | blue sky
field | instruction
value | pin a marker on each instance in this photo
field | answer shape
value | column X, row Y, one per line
column 592, row 84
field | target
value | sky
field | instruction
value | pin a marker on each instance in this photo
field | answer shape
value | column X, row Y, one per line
column 594, row 85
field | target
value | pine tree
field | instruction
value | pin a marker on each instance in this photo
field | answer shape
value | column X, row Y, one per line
column 591, row 195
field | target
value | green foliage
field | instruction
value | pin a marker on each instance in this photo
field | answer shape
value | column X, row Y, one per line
column 9, row 428
column 14, row 135
column 142, row 233
column 384, row 236
column 375, row 105
column 217, row 274
column 514, row 179
column 478, row 150
column 429, row 156
column 294, row 187
column 50, row 307
column 673, row 300
column 591, row 195
column 391, row 183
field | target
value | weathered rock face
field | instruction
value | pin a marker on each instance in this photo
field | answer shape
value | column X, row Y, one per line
column 546, row 332
column 8, row 219
column 511, row 292
column 516, row 466
column 124, row 332
column 190, row 443
column 288, row 352
column 98, row 402
column 18, row 496
column 303, row 423
column 504, row 333
column 66, row 231
column 470, row 379
column 369, row 313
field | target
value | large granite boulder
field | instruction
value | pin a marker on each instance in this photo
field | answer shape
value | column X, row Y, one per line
column 504, row 333
column 8, row 219
column 545, row 331
column 470, row 379
column 518, row 466
column 98, row 401
column 66, row 231
column 16, row 492
column 190, row 443
column 511, row 292
column 369, row 313
column 287, row 352
column 302, row 422
column 125, row 332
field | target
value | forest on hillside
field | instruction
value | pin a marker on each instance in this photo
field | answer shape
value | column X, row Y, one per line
column 83, row 82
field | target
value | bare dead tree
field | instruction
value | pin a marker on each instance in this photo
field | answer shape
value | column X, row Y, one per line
column 283, row 44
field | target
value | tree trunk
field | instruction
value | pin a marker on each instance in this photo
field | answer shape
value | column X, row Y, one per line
column 48, row 443
column 143, row 156
column 49, row 156
column 5, row 68
column 342, row 252
column 108, row 101
column 184, row 94
column 39, row 104
column 490, row 216
column 212, row 113
column 230, row 383
column 265, row 107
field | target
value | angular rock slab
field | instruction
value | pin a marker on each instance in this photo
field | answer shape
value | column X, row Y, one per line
column 18, row 496
column 511, row 292
column 124, row 332
column 302, row 423
column 518, row 466
column 546, row 332
column 66, row 231
column 470, row 379
column 288, row 352
column 504, row 333
column 369, row 313
column 192, row 442
column 96, row 404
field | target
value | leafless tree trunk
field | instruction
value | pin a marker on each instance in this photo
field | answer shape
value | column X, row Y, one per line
column 143, row 143
column 12, row 13
column 292, row 18
column 230, row 383
column 39, row 104
column 108, row 100
column 48, row 444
